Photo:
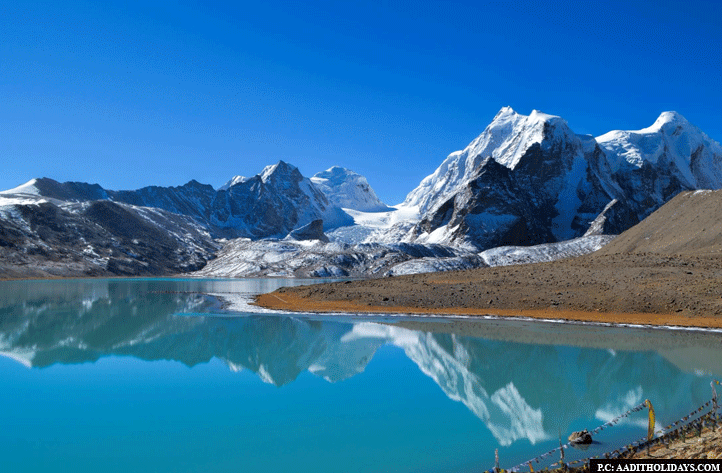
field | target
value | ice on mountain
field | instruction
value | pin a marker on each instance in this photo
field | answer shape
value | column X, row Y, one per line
column 510, row 255
column 348, row 190
column 27, row 188
column 671, row 138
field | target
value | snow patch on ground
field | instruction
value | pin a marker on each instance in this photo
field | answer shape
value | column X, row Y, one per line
column 285, row 258
column 508, row 255
column 388, row 227
column 11, row 200
column 433, row 265
column 315, row 259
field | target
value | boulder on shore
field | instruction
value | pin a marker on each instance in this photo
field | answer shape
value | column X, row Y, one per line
column 582, row 437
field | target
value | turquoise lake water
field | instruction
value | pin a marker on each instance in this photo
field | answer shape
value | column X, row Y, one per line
column 151, row 375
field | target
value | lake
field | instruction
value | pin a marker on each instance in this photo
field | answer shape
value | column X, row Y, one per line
column 155, row 375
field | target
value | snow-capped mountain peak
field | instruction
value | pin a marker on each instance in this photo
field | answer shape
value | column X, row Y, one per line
column 281, row 168
column 672, row 143
column 334, row 176
column 232, row 182
column 347, row 189
column 27, row 188
column 667, row 120
column 637, row 146
column 526, row 178
column 506, row 140
column 513, row 134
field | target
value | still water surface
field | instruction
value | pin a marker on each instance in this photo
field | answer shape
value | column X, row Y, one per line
column 151, row 375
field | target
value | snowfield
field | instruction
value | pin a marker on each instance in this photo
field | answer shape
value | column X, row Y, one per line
column 508, row 255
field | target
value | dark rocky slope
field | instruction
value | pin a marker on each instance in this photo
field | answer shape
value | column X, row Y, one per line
column 100, row 238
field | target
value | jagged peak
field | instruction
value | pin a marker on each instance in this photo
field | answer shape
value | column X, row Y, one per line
column 233, row 181
column 281, row 167
column 508, row 122
column 671, row 116
column 506, row 111
column 499, row 138
column 506, row 140
column 668, row 123
column 508, row 114
column 673, row 139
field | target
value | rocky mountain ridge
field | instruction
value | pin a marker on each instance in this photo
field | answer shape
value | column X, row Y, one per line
column 270, row 204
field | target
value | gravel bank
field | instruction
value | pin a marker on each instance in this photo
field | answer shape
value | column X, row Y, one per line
column 655, row 289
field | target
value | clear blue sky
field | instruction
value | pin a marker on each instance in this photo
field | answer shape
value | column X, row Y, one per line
column 136, row 94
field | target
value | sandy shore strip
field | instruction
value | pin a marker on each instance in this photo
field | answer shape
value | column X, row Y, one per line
column 681, row 291
column 293, row 303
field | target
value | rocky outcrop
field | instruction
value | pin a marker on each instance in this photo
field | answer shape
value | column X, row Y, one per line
column 312, row 231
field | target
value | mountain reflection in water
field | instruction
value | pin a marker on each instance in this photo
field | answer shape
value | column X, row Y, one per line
column 523, row 380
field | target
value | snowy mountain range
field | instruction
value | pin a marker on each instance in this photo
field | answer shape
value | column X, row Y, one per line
column 270, row 204
column 526, row 180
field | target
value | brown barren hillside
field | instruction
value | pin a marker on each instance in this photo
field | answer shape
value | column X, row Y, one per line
column 667, row 270
column 689, row 224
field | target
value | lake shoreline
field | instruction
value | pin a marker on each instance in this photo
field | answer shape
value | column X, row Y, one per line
column 637, row 290
column 294, row 304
